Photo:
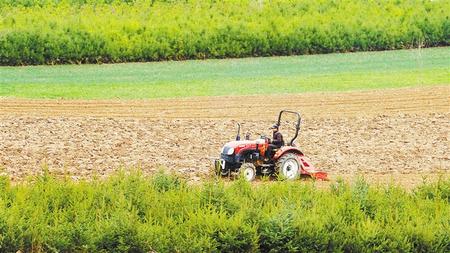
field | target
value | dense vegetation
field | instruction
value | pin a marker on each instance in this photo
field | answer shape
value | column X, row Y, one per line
column 131, row 213
column 96, row 31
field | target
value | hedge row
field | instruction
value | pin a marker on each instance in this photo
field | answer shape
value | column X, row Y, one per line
column 93, row 31
column 131, row 213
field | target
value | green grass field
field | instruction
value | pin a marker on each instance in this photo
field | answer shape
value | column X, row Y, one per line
column 295, row 74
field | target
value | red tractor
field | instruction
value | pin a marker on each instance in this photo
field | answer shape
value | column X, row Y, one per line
column 250, row 158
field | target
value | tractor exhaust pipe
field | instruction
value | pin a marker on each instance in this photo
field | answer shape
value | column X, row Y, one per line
column 238, row 136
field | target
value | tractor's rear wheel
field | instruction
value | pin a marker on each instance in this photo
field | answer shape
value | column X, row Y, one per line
column 288, row 166
column 248, row 171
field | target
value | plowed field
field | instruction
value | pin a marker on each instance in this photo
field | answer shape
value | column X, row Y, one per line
column 400, row 134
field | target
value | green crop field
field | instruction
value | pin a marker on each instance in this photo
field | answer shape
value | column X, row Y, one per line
column 131, row 213
column 100, row 31
column 330, row 72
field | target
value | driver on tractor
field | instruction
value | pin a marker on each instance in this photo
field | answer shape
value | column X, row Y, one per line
column 277, row 141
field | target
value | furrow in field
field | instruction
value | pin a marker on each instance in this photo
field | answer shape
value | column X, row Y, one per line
column 385, row 134
column 433, row 99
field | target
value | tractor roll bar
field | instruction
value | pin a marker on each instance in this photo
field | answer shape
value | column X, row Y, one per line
column 297, row 126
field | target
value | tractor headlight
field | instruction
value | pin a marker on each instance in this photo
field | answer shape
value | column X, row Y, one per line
column 227, row 150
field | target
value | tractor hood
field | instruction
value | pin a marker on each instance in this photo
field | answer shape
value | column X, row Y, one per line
column 234, row 147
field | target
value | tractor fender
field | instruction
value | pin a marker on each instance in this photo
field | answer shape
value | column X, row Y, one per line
column 287, row 149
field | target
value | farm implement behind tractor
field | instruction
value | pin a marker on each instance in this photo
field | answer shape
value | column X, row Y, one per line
column 251, row 158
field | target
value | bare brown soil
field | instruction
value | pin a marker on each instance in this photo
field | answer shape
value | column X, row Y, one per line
column 399, row 136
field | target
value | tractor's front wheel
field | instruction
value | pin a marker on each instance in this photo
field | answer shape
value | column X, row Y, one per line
column 288, row 166
column 248, row 171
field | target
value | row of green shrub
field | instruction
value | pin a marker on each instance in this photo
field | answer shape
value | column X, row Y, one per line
column 132, row 213
column 43, row 3
column 96, row 31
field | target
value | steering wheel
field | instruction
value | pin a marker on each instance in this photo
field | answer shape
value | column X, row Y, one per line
column 265, row 138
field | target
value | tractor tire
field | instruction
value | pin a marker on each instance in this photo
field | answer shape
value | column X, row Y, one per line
column 248, row 171
column 288, row 166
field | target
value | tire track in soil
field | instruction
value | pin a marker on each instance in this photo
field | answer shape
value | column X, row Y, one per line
column 401, row 134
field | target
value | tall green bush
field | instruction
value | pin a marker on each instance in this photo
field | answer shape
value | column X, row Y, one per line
column 96, row 31
column 132, row 213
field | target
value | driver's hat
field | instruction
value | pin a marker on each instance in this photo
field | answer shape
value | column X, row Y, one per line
column 275, row 126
